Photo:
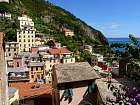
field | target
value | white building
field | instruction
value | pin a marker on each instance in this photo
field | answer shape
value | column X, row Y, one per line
column 99, row 57
column 5, row 15
column 26, row 33
column 68, row 32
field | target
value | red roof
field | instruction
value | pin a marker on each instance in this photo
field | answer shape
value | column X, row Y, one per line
column 55, row 51
column 29, row 90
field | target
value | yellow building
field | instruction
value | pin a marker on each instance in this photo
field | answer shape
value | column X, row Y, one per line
column 12, row 49
column 36, row 71
column 26, row 33
column 68, row 32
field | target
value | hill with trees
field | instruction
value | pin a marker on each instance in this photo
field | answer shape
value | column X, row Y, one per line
column 50, row 20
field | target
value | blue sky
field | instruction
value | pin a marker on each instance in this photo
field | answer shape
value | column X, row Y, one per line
column 114, row 18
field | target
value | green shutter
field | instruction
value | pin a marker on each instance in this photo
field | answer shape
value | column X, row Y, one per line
column 68, row 91
column 90, row 87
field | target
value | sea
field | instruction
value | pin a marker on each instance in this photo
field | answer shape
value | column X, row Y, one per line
column 120, row 40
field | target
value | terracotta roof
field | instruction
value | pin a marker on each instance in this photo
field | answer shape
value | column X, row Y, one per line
column 27, row 90
column 55, row 51
column 74, row 72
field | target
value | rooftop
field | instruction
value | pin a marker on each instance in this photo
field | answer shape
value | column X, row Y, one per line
column 55, row 51
column 17, row 69
column 34, row 55
column 74, row 72
column 35, row 64
column 12, row 43
column 31, row 90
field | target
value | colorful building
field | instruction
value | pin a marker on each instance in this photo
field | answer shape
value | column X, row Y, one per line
column 57, row 56
column 36, row 71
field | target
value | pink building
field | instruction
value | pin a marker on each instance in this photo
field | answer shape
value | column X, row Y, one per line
column 74, row 84
column 18, row 61
column 34, row 50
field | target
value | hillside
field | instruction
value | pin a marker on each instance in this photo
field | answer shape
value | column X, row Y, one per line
column 57, row 18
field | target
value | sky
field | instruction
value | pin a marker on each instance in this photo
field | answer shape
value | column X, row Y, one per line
column 114, row 18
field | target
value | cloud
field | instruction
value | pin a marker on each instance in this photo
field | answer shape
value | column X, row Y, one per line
column 114, row 26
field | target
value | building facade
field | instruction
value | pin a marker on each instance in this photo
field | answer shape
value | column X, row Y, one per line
column 12, row 49
column 68, row 32
column 26, row 33
column 57, row 56
column 70, row 88
column 36, row 71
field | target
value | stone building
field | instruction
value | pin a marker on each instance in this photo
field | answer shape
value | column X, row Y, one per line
column 74, row 84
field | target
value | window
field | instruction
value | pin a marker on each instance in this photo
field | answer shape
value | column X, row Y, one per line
column 17, row 64
column 8, row 49
column 14, row 49
column 71, row 60
column 32, row 76
column 29, row 45
column 32, row 40
column 32, row 32
column 66, row 60
column 24, row 40
column 15, row 54
column 19, row 35
column 28, row 32
column 28, row 36
column 41, row 68
column 24, row 32
column 19, row 40
column 31, row 68
column 50, row 65
column 36, row 68
column 32, row 36
column 9, row 54
column 28, row 40
column 20, row 45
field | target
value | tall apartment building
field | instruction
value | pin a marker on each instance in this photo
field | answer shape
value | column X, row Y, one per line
column 26, row 33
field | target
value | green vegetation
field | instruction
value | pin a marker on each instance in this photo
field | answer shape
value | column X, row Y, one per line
column 59, row 19
column 132, row 52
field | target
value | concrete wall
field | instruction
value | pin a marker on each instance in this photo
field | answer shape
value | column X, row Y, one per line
column 77, row 97
column 15, row 98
